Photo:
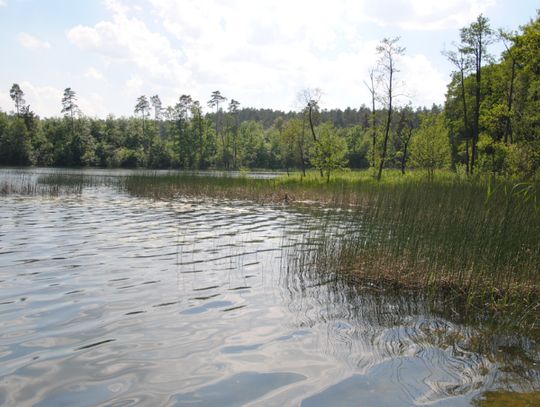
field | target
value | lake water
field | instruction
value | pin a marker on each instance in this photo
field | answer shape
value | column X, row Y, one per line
column 111, row 299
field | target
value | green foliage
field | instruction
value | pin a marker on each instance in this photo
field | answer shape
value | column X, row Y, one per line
column 15, row 146
column 430, row 148
column 358, row 146
column 329, row 152
column 502, row 133
column 251, row 145
column 294, row 144
column 127, row 158
column 508, row 126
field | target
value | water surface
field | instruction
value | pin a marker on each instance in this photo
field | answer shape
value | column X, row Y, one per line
column 110, row 299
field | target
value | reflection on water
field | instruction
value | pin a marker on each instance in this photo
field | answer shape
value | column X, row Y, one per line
column 119, row 300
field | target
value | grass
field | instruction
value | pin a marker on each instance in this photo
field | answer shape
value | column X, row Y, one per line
column 475, row 240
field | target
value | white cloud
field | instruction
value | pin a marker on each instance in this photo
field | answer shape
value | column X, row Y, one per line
column 425, row 14
column 5, row 101
column 93, row 104
column 29, row 41
column 263, row 52
column 129, row 40
column 423, row 83
column 93, row 73
column 46, row 100
column 3, row 3
column 134, row 85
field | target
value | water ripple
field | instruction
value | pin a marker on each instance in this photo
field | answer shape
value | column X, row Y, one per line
column 213, row 302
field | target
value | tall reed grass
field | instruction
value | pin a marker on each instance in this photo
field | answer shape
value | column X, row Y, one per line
column 477, row 241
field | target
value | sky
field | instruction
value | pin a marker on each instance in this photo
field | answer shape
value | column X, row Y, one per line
column 261, row 53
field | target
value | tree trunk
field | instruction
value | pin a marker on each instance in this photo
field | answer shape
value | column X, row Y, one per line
column 199, row 125
column 465, row 121
column 508, row 128
column 313, row 132
column 373, row 134
column 301, row 146
column 388, row 122
column 468, row 168
column 476, row 132
column 404, row 158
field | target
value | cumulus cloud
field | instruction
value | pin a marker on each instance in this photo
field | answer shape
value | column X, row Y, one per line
column 29, row 41
column 260, row 54
column 46, row 100
column 425, row 14
column 257, row 49
column 134, row 85
column 5, row 101
column 128, row 39
column 423, row 83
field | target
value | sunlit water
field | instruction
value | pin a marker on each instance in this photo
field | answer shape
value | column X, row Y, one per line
column 110, row 299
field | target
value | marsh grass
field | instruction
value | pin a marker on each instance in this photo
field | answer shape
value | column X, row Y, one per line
column 475, row 242
column 51, row 184
column 476, row 239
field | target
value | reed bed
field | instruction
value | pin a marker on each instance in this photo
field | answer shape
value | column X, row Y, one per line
column 474, row 240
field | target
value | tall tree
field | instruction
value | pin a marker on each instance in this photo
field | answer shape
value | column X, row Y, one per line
column 404, row 132
column 158, row 112
column 293, row 139
column 143, row 107
column 158, row 107
column 233, row 111
column 70, row 107
column 462, row 63
column 185, row 147
column 509, row 39
column 372, row 90
column 430, row 148
column 474, row 41
column 389, row 52
column 311, row 99
column 196, row 112
column 329, row 151
column 215, row 100
column 17, row 95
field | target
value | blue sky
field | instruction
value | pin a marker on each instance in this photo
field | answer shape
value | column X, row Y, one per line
column 261, row 53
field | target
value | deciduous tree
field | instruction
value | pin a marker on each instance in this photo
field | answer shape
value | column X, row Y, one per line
column 389, row 51
column 328, row 152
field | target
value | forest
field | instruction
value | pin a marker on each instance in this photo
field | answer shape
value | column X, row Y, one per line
column 489, row 123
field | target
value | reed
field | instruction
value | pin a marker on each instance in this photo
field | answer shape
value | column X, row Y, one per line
column 474, row 240
column 477, row 242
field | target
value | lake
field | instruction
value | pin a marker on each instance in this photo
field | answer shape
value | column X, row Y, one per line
column 112, row 299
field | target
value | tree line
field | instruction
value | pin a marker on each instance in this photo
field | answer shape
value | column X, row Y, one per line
column 489, row 123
